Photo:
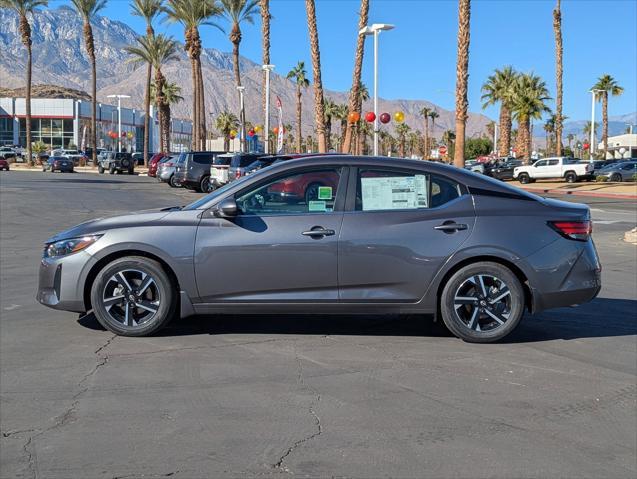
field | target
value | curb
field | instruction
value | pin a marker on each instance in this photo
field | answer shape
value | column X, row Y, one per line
column 631, row 236
column 584, row 193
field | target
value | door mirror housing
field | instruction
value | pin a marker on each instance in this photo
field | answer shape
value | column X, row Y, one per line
column 227, row 208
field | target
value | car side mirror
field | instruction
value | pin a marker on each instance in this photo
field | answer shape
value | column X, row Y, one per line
column 227, row 208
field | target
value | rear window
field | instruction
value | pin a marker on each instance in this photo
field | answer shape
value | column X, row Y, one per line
column 222, row 160
column 570, row 161
column 240, row 161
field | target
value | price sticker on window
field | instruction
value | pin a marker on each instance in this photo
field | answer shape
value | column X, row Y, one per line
column 325, row 193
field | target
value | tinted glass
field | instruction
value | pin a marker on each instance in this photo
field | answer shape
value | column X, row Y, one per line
column 541, row 163
column 182, row 158
column 222, row 160
column 555, row 162
column 308, row 192
column 629, row 166
column 569, row 161
column 202, row 158
column 241, row 161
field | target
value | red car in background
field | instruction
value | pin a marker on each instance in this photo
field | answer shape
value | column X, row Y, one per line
column 4, row 164
column 303, row 187
column 153, row 163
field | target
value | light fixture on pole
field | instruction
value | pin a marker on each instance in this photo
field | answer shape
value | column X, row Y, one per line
column 266, row 123
column 242, row 139
column 375, row 29
column 591, row 148
column 119, row 119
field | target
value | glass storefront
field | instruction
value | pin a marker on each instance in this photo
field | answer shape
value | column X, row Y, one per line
column 6, row 131
column 55, row 133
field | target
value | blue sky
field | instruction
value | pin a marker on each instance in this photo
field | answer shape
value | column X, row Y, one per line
column 417, row 59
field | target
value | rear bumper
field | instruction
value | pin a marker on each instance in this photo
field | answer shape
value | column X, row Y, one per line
column 581, row 283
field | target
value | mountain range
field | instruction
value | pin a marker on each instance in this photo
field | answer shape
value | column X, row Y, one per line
column 59, row 58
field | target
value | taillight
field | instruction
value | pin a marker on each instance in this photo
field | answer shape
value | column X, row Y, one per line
column 576, row 230
column 237, row 174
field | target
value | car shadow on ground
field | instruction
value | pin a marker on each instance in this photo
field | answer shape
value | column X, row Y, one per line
column 601, row 318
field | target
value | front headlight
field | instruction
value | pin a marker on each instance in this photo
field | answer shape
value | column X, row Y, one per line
column 69, row 246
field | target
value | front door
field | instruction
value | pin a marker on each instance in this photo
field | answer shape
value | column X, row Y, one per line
column 283, row 245
column 403, row 227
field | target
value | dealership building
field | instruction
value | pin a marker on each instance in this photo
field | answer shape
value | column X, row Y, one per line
column 60, row 122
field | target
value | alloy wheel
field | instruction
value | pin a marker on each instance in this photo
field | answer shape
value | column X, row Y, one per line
column 483, row 302
column 131, row 297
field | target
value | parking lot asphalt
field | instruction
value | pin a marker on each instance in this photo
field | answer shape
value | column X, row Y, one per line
column 344, row 396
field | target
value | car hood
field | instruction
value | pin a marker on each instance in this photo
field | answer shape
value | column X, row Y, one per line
column 101, row 225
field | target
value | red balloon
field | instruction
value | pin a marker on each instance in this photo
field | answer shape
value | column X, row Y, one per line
column 370, row 116
column 353, row 117
column 586, row 146
column 251, row 133
column 385, row 118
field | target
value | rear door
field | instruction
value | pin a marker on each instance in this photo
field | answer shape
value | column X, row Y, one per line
column 399, row 227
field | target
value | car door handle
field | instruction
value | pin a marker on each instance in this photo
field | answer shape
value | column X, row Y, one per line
column 319, row 231
column 450, row 227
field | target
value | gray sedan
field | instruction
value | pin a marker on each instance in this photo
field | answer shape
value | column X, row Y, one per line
column 623, row 171
column 330, row 235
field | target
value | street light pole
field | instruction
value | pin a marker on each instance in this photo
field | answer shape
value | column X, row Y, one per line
column 375, row 30
column 591, row 149
column 119, row 119
column 266, row 123
column 242, row 139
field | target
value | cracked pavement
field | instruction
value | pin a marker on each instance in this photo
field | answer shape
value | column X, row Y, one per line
column 303, row 396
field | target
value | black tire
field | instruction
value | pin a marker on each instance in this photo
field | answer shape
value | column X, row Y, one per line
column 131, row 170
column 171, row 182
column 524, row 178
column 463, row 290
column 112, row 170
column 205, row 186
column 100, row 169
column 311, row 192
column 570, row 177
column 108, row 284
column 616, row 177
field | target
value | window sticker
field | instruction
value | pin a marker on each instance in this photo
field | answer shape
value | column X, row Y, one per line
column 317, row 206
column 325, row 193
column 403, row 192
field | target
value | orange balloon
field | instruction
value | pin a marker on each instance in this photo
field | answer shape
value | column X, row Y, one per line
column 275, row 130
column 353, row 117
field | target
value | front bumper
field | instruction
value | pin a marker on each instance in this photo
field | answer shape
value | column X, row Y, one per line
column 61, row 280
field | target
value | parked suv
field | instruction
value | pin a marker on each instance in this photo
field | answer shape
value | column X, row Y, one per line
column 116, row 163
column 193, row 169
column 7, row 153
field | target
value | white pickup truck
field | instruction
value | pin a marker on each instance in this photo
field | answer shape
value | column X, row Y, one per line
column 570, row 169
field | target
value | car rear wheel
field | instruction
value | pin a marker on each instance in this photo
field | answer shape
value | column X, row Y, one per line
column 205, row 186
column 482, row 302
column 100, row 169
column 570, row 177
column 133, row 296
column 615, row 177
column 524, row 178
column 172, row 182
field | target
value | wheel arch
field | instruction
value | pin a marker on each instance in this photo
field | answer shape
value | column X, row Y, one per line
column 102, row 262
column 524, row 281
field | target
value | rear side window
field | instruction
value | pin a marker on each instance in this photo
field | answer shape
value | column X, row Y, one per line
column 382, row 190
column 202, row 158
column 557, row 162
column 241, row 161
column 222, row 160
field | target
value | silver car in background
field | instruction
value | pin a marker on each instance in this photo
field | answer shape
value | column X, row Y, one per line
column 333, row 234
column 620, row 171
column 166, row 170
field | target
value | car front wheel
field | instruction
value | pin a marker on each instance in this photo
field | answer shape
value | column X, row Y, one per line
column 172, row 182
column 615, row 177
column 570, row 177
column 482, row 302
column 133, row 296
column 524, row 178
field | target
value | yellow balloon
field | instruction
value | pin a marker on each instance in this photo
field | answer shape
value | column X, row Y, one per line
column 233, row 132
column 399, row 117
column 257, row 128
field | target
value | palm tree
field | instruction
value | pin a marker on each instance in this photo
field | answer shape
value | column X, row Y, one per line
column 557, row 29
column 498, row 89
column 157, row 50
column 401, row 130
column 341, row 113
column 433, row 114
column 570, row 137
column 529, row 102
column 331, row 111
column 225, row 123
column 236, row 12
column 299, row 76
column 319, row 112
column 88, row 9
column 192, row 14
column 424, row 112
column 607, row 84
column 549, row 129
column 448, row 138
column 355, row 105
column 24, row 8
column 362, row 96
column 264, row 6
column 462, row 78
column 172, row 96
column 148, row 10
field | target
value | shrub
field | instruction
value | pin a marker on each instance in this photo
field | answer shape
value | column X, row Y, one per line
column 601, row 179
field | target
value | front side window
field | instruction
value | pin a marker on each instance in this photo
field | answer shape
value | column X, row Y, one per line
column 383, row 190
column 306, row 192
column 539, row 164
